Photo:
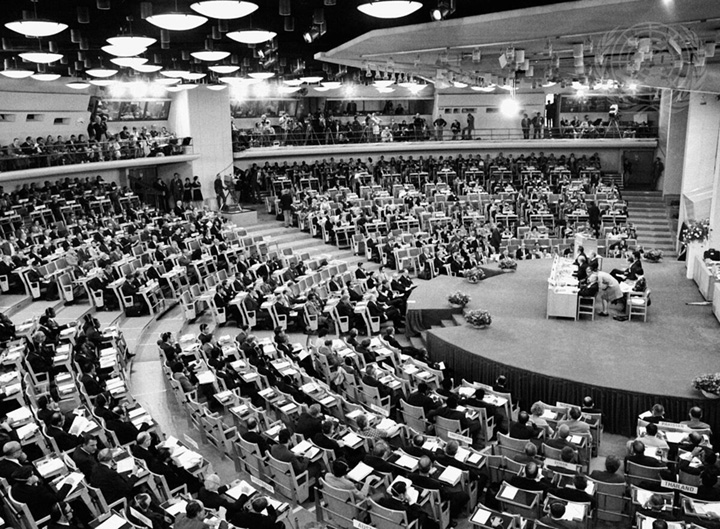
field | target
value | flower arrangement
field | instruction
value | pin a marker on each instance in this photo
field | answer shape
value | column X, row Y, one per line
column 459, row 298
column 508, row 263
column 478, row 318
column 653, row 256
column 708, row 382
column 474, row 275
column 696, row 230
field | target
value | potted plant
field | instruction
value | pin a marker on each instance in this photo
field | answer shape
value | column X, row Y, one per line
column 478, row 318
column 508, row 264
column 459, row 298
column 653, row 256
column 708, row 384
column 694, row 237
column 474, row 275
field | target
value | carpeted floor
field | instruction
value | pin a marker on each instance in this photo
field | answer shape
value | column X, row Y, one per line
column 660, row 356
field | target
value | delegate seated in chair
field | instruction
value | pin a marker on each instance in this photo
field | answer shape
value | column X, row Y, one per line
column 450, row 411
column 281, row 451
column 39, row 498
column 396, row 499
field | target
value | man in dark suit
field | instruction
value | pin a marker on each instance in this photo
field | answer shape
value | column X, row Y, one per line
column 530, row 480
column 118, row 421
column 378, row 459
column 415, row 447
column 554, row 518
column 40, row 499
column 446, row 457
column 254, row 517
column 212, row 494
column 13, row 460
column 577, row 494
column 396, row 499
column 450, row 411
column 560, row 441
column 457, row 497
column 84, row 455
column 422, row 399
column 639, row 458
column 252, row 435
column 56, row 429
column 523, row 429
column 309, row 422
column 609, row 475
column 282, row 452
column 108, row 480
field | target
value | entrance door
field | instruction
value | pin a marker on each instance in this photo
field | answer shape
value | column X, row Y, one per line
column 637, row 169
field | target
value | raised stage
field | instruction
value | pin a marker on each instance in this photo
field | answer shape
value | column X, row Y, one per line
column 625, row 366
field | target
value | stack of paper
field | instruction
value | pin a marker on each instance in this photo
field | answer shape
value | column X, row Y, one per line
column 50, row 466
column 241, row 488
column 451, row 475
column 352, row 440
column 19, row 416
column 360, row 472
column 407, row 462
column 27, row 431
column 481, row 516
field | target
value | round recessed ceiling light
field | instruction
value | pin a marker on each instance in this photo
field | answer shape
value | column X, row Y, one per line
column 223, row 68
column 41, row 57
column 16, row 73
column 311, row 79
column 261, row 75
column 146, row 68
column 216, row 87
column 167, row 81
column 128, row 62
column 252, row 36
column 77, row 85
column 131, row 41
column 124, row 51
column 102, row 82
column 224, row 9
column 36, row 28
column 390, row 8
column 45, row 77
column 176, row 74
column 210, row 55
column 101, row 72
column 193, row 76
column 176, row 21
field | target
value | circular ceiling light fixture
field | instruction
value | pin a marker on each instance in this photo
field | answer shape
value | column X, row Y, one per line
column 175, row 21
column 224, row 9
column 223, row 68
column 36, row 27
column 210, row 55
column 383, row 83
column 252, row 36
column 216, row 87
column 101, row 72
column 389, row 8
column 78, row 85
column 129, row 62
column 16, row 73
column 131, row 41
column 175, row 74
column 167, row 81
column 123, row 51
column 332, row 85
column 41, row 57
column 102, row 82
column 293, row 82
column 311, row 79
column 174, row 88
column 194, row 76
column 146, row 68
column 45, row 77
column 261, row 75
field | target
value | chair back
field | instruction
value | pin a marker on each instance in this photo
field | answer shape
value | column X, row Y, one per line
column 294, row 487
column 251, row 458
column 510, row 446
column 414, row 417
column 443, row 426
column 612, row 503
column 383, row 518
column 339, row 507
column 638, row 473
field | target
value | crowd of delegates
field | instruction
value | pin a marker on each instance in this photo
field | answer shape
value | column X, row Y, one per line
column 99, row 145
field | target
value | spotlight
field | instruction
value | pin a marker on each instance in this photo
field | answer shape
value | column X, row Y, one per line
column 510, row 107
column 444, row 9
column 311, row 35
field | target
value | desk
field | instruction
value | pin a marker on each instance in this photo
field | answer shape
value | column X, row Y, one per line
column 153, row 296
column 706, row 277
column 562, row 290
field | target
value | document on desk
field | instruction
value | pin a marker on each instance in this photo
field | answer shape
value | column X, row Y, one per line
column 481, row 517
column 126, row 465
column 707, row 508
column 462, row 454
column 407, row 462
column 74, row 479
column 241, row 488
column 114, row 522
column 574, row 511
column 50, row 466
column 451, row 475
column 509, row 492
column 352, row 440
column 176, row 508
column 360, row 472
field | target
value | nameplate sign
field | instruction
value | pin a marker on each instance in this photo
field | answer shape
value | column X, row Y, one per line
column 381, row 411
column 678, row 486
column 189, row 440
column 460, row 438
column 260, row 483
column 560, row 464
column 676, row 425
column 359, row 525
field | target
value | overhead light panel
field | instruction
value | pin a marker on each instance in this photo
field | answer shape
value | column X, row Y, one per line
column 41, row 57
column 45, row 77
column 102, row 82
column 129, row 62
column 216, row 87
column 210, row 55
column 389, row 8
column 101, row 72
column 311, row 79
column 252, row 36
column 146, row 68
column 78, row 85
column 167, row 80
column 261, row 75
column 123, row 51
column 177, row 21
column 223, row 68
column 224, row 9
column 131, row 41
column 194, row 76
column 36, row 27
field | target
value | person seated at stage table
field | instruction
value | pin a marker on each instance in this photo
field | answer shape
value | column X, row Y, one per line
column 633, row 271
column 610, row 474
column 574, row 422
column 523, row 428
column 694, row 422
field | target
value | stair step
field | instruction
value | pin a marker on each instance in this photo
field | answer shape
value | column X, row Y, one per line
column 459, row 319
column 417, row 342
column 447, row 323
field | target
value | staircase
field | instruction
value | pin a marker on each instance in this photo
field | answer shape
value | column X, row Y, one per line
column 647, row 212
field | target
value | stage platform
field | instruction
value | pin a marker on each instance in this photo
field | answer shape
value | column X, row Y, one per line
column 626, row 366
